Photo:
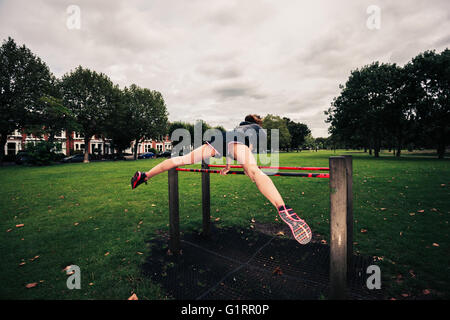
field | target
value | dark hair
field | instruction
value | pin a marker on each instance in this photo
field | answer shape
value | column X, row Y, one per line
column 254, row 118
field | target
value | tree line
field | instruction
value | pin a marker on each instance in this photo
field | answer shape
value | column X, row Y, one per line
column 292, row 135
column 383, row 105
column 33, row 100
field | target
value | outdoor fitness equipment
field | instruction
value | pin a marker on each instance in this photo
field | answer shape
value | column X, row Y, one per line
column 341, row 212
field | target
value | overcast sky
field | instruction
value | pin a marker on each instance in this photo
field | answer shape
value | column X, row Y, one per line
column 218, row 60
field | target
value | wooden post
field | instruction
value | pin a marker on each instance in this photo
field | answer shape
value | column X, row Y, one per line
column 349, row 168
column 206, row 200
column 174, row 216
column 338, row 228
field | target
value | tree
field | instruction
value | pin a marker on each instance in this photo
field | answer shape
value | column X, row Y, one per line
column 310, row 142
column 54, row 117
column 24, row 79
column 276, row 122
column 322, row 143
column 429, row 73
column 368, row 107
column 88, row 95
column 298, row 132
column 117, row 124
column 148, row 114
column 179, row 125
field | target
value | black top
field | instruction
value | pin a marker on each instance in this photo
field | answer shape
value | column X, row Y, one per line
column 251, row 132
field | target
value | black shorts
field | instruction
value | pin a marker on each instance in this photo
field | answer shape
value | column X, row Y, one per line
column 228, row 137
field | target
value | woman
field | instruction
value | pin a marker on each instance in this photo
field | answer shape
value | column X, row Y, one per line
column 237, row 146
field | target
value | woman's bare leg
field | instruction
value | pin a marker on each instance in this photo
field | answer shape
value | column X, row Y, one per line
column 197, row 155
column 265, row 185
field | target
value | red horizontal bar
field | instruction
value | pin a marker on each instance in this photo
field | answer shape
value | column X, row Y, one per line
column 280, row 168
column 278, row 174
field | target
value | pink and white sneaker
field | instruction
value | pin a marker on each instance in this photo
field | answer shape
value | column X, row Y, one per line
column 300, row 229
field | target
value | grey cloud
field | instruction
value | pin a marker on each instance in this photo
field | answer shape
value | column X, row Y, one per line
column 237, row 89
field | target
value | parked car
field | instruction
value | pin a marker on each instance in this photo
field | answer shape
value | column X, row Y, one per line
column 147, row 155
column 22, row 157
column 75, row 158
column 165, row 154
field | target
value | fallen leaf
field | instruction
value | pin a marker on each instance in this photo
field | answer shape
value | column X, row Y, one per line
column 412, row 214
column 253, row 220
column 133, row 297
column 280, row 233
column 76, row 223
column 277, row 271
column 139, row 252
column 31, row 285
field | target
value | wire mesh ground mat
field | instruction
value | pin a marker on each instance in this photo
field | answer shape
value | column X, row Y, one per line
column 250, row 264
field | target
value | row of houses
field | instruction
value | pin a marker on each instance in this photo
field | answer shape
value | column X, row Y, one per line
column 73, row 141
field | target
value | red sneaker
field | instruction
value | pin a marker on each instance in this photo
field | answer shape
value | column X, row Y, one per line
column 138, row 178
column 300, row 229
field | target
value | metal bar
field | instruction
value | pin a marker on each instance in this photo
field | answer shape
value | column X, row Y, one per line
column 277, row 174
column 279, row 168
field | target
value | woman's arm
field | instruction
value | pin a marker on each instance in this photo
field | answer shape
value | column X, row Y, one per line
column 225, row 170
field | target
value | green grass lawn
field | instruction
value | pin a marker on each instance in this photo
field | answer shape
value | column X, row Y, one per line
column 87, row 215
